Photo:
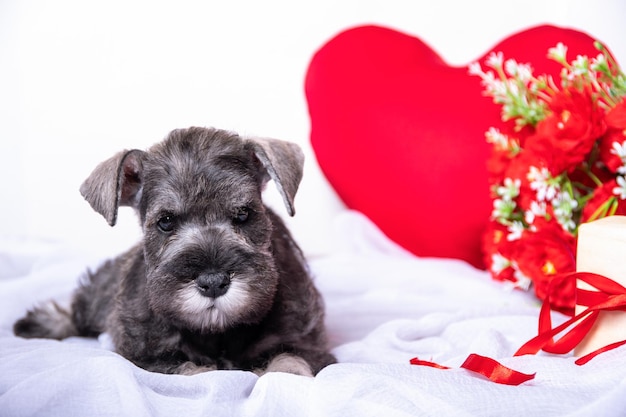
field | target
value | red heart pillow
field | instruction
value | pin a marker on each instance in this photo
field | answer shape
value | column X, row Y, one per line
column 400, row 134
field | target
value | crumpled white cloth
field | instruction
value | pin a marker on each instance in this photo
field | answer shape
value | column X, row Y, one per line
column 384, row 307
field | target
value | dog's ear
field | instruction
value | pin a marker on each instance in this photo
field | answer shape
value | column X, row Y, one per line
column 113, row 183
column 283, row 162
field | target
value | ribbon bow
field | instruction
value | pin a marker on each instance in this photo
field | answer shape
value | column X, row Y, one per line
column 609, row 297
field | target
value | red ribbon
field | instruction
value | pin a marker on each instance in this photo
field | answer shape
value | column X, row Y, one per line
column 495, row 371
column 489, row 368
column 610, row 296
column 417, row 361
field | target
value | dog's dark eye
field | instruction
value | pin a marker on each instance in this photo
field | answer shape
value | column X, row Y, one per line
column 166, row 223
column 241, row 215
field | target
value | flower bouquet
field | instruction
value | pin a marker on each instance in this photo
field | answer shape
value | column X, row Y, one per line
column 558, row 160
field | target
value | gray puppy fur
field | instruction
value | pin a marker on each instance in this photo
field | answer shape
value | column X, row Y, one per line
column 217, row 282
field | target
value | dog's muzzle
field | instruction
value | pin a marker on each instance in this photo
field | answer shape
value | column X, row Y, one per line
column 213, row 284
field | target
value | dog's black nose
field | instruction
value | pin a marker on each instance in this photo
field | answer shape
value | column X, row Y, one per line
column 213, row 284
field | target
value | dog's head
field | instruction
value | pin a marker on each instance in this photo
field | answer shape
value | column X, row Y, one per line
column 207, row 237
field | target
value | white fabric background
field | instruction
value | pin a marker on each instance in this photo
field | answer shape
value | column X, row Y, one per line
column 384, row 307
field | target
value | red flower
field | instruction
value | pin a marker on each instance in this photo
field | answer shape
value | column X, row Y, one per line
column 493, row 239
column 565, row 137
column 616, row 117
column 545, row 254
column 616, row 133
column 497, row 164
column 602, row 202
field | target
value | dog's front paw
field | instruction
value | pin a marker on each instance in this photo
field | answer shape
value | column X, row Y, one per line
column 288, row 363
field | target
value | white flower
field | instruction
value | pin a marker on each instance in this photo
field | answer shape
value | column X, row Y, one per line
column 564, row 203
column 495, row 137
column 579, row 68
column 537, row 209
column 540, row 181
column 495, row 59
column 475, row 69
column 558, row 53
column 502, row 209
column 513, row 88
column 523, row 72
column 496, row 88
column 536, row 174
column 499, row 263
column 515, row 231
column 619, row 150
column 510, row 189
column 620, row 190
column 523, row 282
column 598, row 62
column 564, row 206
column 510, row 67
column 580, row 65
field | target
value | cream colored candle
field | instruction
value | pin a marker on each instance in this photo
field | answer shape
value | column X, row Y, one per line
column 602, row 250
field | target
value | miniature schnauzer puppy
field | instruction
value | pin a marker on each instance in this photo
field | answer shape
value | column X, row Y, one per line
column 217, row 282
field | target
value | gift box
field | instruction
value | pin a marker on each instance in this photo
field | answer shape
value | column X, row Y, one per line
column 602, row 250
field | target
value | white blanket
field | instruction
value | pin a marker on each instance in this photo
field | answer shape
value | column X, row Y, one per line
column 384, row 307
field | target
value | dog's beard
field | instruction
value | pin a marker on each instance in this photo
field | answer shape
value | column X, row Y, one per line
column 175, row 294
column 212, row 314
